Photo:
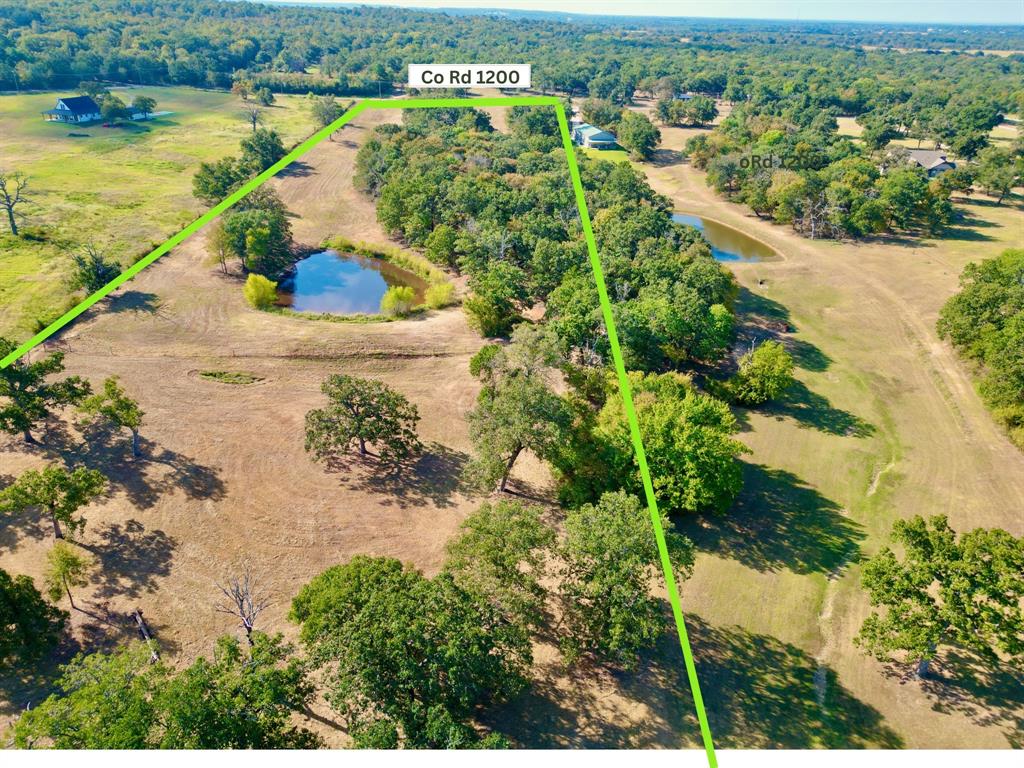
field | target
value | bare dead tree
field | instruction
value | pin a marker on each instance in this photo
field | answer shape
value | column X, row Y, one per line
column 242, row 598
column 12, row 194
column 254, row 115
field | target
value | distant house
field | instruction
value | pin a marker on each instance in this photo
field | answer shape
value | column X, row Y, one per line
column 74, row 109
column 587, row 135
column 932, row 160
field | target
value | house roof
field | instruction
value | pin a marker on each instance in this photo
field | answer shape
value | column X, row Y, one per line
column 928, row 158
column 592, row 132
column 81, row 105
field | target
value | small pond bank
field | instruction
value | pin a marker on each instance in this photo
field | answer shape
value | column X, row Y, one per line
column 727, row 244
column 333, row 282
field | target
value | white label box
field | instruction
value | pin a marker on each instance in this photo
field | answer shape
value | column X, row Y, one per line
column 469, row 75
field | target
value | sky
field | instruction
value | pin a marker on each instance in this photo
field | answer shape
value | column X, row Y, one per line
column 924, row 11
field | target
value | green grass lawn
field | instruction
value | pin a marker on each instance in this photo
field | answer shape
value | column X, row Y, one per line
column 614, row 155
column 1001, row 136
column 123, row 189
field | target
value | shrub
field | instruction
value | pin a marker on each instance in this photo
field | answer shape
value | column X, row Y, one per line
column 397, row 300
column 764, row 374
column 260, row 292
column 92, row 271
column 440, row 295
column 231, row 377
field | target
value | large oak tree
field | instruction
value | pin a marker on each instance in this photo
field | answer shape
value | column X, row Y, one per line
column 363, row 413
column 963, row 590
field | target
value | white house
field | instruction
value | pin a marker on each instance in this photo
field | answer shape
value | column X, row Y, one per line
column 587, row 135
column 932, row 160
column 74, row 109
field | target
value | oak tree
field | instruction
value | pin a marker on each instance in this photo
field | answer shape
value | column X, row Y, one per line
column 121, row 700
column 362, row 412
column 610, row 569
column 408, row 659
column 55, row 494
column 513, row 416
column 144, row 105
column 500, row 555
column 687, row 435
column 946, row 589
column 27, row 396
column 115, row 406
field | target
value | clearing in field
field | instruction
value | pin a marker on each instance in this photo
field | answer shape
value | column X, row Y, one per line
column 131, row 181
column 174, row 313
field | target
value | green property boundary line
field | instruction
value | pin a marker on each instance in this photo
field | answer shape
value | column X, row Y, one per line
column 602, row 290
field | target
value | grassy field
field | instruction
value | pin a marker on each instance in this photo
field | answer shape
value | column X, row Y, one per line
column 121, row 189
column 883, row 424
column 612, row 155
column 1001, row 136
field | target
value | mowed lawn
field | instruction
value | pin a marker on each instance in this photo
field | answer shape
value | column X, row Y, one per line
column 1002, row 135
column 611, row 155
column 883, row 424
column 122, row 189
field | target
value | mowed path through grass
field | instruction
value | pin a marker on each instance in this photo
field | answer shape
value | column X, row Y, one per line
column 122, row 189
column 883, row 424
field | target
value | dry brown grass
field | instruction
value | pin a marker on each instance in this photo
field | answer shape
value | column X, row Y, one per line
column 773, row 606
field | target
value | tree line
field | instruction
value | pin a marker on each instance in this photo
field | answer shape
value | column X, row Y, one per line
column 985, row 322
column 364, row 51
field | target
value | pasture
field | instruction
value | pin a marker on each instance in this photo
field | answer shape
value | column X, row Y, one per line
column 883, row 424
column 122, row 189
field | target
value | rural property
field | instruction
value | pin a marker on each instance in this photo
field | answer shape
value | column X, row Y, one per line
column 666, row 403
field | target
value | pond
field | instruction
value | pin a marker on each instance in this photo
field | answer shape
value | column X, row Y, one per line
column 342, row 284
column 727, row 244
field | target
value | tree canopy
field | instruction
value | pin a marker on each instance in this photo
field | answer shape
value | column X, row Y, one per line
column 946, row 589
column 407, row 659
column 687, row 436
column 765, row 372
column 500, row 555
column 363, row 412
column 114, row 406
column 122, row 700
column 28, row 394
column 55, row 494
column 611, row 566
column 985, row 322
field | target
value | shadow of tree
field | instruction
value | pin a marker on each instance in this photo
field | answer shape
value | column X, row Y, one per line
column 134, row 301
column 965, row 233
column 131, row 558
column 435, row 476
column 663, row 158
column 812, row 410
column 762, row 319
column 779, row 521
column 759, row 692
column 297, row 168
column 960, row 682
column 144, row 480
column 101, row 631
column 27, row 684
column 578, row 709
